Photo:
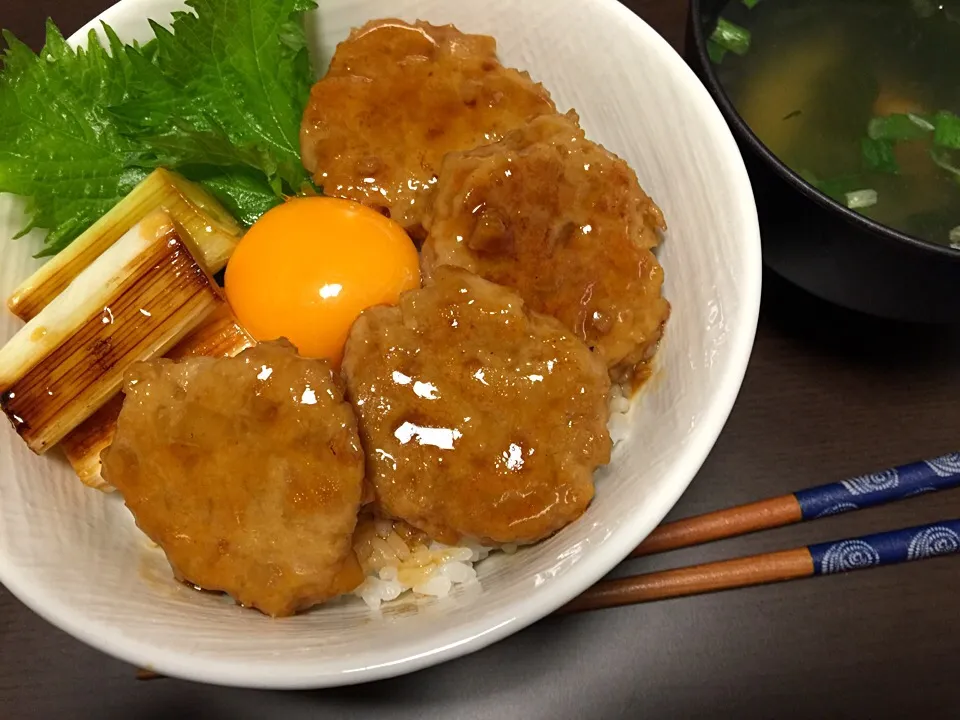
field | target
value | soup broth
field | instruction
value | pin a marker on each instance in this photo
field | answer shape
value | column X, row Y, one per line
column 860, row 98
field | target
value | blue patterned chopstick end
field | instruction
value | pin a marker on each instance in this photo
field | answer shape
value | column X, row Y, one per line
column 887, row 548
column 887, row 486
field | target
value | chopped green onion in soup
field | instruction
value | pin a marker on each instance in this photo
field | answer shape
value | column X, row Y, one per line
column 906, row 126
column 731, row 36
column 716, row 51
column 946, row 130
column 878, row 155
column 837, row 188
column 920, row 121
column 859, row 199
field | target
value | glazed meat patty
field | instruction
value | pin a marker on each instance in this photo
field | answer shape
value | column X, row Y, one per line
column 396, row 99
column 246, row 471
column 565, row 223
column 480, row 419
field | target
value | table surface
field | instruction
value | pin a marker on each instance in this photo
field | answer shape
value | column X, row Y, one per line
column 828, row 395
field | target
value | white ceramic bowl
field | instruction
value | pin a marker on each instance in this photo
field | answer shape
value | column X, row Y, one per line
column 76, row 558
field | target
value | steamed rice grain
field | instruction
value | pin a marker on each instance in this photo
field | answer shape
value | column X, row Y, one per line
column 396, row 559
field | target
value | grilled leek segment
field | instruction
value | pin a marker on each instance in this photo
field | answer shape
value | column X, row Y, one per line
column 134, row 301
column 201, row 219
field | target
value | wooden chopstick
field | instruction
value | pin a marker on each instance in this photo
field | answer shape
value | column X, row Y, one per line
column 740, row 520
column 857, row 493
column 726, row 575
column 890, row 548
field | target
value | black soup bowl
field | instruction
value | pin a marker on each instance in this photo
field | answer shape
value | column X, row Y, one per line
column 820, row 245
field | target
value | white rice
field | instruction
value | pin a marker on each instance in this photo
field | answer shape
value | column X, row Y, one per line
column 619, row 423
column 396, row 559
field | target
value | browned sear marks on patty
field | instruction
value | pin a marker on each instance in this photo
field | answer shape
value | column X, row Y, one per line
column 246, row 471
column 566, row 224
column 396, row 99
column 479, row 418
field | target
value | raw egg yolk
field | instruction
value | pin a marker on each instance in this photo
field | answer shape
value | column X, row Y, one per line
column 308, row 268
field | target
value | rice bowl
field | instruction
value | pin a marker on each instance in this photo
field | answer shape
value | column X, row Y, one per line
column 713, row 252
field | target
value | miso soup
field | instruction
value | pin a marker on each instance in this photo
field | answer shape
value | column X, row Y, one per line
column 859, row 97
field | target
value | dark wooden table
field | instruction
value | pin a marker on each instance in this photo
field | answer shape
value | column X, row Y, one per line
column 828, row 395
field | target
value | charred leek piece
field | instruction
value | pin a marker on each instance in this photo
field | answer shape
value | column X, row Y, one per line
column 134, row 302
column 201, row 218
column 218, row 336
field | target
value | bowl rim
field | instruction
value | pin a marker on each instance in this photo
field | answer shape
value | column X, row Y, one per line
column 474, row 634
column 743, row 130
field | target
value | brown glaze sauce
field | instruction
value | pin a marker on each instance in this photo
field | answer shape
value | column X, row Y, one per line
column 479, row 419
column 565, row 223
column 396, row 100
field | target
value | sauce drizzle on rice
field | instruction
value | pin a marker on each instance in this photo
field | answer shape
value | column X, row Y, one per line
column 397, row 558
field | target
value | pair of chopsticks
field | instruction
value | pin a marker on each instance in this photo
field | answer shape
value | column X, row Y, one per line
column 889, row 548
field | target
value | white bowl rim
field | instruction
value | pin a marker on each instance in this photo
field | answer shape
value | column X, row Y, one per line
column 473, row 635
